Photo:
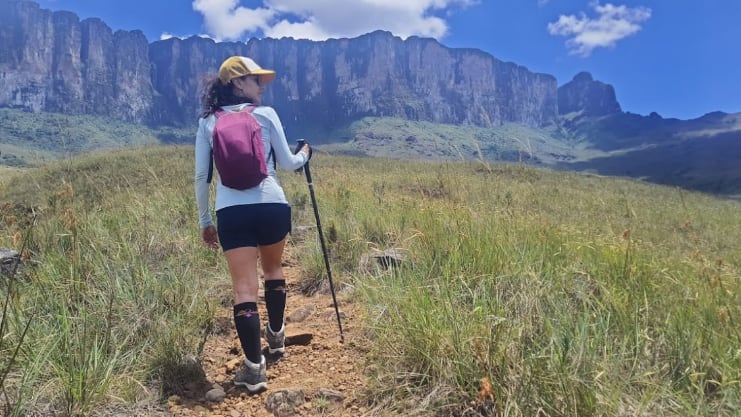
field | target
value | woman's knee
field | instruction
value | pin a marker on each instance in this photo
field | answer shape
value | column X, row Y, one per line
column 271, row 259
column 272, row 271
column 245, row 290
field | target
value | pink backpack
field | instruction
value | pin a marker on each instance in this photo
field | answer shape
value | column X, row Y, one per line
column 238, row 150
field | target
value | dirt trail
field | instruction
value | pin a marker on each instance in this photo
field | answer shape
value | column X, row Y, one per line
column 329, row 373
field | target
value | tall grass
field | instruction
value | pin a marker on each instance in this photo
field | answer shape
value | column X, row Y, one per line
column 116, row 286
column 526, row 292
column 538, row 293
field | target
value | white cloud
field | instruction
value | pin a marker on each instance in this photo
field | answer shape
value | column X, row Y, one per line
column 166, row 35
column 225, row 19
column 611, row 24
column 323, row 19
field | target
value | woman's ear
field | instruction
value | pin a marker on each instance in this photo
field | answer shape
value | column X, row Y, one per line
column 236, row 87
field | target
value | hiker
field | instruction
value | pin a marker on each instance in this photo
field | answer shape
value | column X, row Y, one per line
column 250, row 221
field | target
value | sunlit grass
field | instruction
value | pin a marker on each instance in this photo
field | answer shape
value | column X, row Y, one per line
column 569, row 294
column 116, row 284
column 525, row 291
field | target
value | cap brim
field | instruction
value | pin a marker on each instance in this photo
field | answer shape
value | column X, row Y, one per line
column 265, row 76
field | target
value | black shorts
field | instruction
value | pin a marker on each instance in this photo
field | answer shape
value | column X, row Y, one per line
column 253, row 224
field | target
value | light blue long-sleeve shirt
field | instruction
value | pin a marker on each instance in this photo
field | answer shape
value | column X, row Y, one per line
column 269, row 190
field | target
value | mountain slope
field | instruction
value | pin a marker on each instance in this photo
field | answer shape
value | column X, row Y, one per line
column 700, row 154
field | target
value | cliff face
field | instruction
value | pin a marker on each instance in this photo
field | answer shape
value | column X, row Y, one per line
column 591, row 97
column 27, row 39
column 96, row 51
column 326, row 83
column 54, row 62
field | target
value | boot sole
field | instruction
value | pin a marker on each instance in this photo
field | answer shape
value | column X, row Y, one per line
column 276, row 350
column 261, row 386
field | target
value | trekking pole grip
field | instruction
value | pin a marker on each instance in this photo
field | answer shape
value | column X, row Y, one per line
column 300, row 144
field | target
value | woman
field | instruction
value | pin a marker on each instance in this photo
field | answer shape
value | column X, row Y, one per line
column 252, row 221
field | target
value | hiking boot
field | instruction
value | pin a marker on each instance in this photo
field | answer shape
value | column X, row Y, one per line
column 276, row 340
column 252, row 376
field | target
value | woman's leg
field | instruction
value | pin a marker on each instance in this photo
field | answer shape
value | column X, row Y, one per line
column 271, row 258
column 242, row 262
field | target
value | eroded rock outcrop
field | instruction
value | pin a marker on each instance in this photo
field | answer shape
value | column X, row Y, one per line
column 584, row 94
column 52, row 61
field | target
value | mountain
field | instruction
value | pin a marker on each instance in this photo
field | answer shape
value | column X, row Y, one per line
column 53, row 62
column 584, row 94
column 700, row 154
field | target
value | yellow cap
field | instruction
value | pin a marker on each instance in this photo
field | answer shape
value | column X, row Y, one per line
column 239, row 66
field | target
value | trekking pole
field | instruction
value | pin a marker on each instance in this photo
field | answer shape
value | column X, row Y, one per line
column 307, row 171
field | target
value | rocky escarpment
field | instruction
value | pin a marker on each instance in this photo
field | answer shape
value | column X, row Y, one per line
column 584, row 94
column 331, row 82
column 52, row 61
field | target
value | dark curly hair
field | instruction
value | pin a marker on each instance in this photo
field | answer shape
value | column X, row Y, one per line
column 217, row 95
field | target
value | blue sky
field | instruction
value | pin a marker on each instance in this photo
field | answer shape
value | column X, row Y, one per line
column 679, row 58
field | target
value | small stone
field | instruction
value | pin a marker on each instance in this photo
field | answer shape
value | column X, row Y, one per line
column 283, row 402
column 297, row 337
column 330, row 395
column 298, row 315
column 8, row 260
column 215, row 395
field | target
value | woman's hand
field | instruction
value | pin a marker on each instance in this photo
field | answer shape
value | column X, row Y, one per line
column 210, row 236
column 307, row 151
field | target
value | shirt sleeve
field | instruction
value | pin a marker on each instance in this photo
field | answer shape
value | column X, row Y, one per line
column 283, row 154
column 202, row 165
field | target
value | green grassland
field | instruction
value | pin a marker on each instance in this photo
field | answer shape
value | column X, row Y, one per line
column 30, row 139
column 700, row 154
column 404, row 139
column 526, row 291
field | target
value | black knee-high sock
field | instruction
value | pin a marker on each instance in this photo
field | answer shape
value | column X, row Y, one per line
column 275, row 302
column 247, row 322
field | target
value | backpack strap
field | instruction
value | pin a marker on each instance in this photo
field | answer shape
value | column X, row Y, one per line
column 250, row 108
column 210, row 168
column 217, row 114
